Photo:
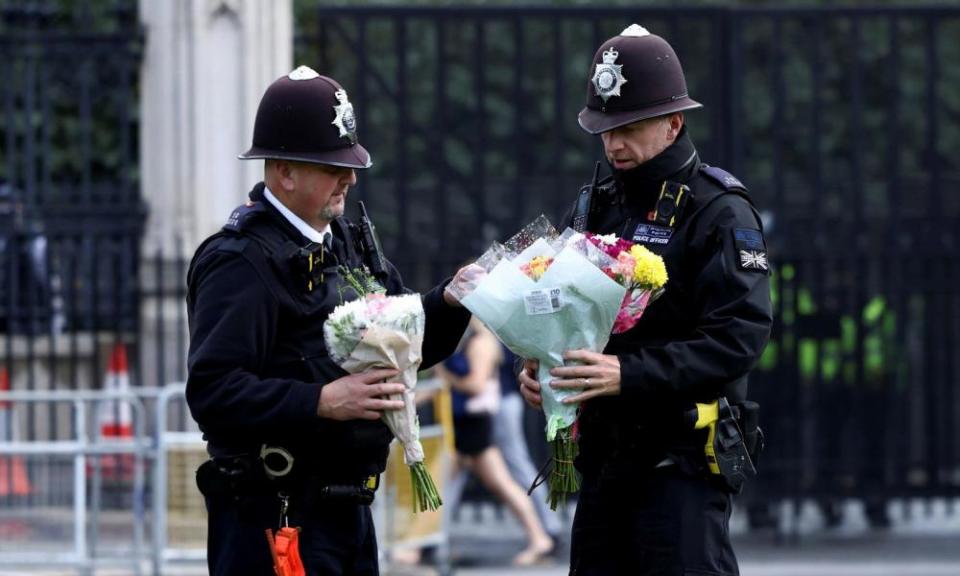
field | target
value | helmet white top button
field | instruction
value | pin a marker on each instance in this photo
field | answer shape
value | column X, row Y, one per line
column 635, row 30
column 303, row 73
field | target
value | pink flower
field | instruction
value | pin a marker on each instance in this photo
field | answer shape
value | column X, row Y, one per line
column 623, row 322
column 376, row 303
column 634, row 303
column 612, row 245
column 625, row 265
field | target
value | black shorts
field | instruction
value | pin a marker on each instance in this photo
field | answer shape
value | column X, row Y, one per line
column 472, row 433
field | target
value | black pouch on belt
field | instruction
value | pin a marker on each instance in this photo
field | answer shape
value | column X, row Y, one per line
column 752, row 433
column 226, row 478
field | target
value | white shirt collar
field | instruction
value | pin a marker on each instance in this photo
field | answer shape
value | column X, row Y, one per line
column 307, row 230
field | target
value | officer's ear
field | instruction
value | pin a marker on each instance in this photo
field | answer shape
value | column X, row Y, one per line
column 281, row 175
column 674, row 125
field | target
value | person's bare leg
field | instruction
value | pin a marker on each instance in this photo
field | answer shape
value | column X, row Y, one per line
column 492, row 472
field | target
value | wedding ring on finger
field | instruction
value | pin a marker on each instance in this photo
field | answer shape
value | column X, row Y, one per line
column 586, row 382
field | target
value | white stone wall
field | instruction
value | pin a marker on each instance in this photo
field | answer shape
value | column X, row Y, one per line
column 206, row 65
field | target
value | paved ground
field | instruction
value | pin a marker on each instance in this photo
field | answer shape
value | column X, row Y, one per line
column 923, row 540
column 934, row 555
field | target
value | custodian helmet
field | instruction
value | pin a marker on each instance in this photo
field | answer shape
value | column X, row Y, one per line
column 634, row 76
column 307, row 117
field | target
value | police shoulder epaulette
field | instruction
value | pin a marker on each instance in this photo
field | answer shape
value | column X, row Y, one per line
column 723, row 178
column 233, row 244
column 242, row 215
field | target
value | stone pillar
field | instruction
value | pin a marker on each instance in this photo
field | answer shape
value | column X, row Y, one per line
column 206, row 65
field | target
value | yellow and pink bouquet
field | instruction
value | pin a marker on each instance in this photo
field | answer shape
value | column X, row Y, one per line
column 546, row 292
column 640, row 270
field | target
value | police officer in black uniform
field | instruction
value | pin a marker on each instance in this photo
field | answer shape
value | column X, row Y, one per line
column 649, row 502
column 293, row 439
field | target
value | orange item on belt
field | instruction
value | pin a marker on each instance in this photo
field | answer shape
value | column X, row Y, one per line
column 285, row 549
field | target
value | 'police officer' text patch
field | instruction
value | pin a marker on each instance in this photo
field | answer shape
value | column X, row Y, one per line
column 751, row 250
column 650, row 234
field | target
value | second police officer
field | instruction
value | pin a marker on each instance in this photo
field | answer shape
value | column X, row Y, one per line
column 292, row 437
column 649, row 503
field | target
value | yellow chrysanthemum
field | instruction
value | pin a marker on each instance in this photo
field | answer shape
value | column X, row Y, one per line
column 649, row 272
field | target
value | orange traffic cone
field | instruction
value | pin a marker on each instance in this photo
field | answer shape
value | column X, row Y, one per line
column 13, row 472
column 116, row 417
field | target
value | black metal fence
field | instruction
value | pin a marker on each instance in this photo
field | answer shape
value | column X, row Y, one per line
column 842, row 122
column 71, row 215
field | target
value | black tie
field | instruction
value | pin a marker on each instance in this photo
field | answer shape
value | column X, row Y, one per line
column 328, row 242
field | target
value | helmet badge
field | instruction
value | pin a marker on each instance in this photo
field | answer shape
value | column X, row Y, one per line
column 345, row 121
column 607, row 79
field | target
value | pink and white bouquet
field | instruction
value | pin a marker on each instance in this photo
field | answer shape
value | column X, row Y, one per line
column 378, row 331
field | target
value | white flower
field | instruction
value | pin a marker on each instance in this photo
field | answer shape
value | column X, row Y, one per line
column 608, row 239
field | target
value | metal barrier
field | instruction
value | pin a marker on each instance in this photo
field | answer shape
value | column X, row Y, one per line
column 85, row 448
column 96, row 541
column 397, row 526
column 182, row 442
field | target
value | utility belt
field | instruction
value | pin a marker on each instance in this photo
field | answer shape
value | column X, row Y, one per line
column 727, row 453
column 273, row 472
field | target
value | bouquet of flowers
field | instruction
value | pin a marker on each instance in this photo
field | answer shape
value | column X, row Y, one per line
column 640, row 270
column 378, row 331
column 545, row 293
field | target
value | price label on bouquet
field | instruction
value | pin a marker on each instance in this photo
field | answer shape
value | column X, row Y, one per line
column 543, row 301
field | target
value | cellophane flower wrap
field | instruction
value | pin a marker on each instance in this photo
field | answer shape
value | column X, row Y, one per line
column 545, row 293
column 378, row 331
column 640, row 270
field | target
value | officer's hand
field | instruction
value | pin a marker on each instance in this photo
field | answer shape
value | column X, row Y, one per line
column 529, row 387
column 464, row 281
column 359, row 396
column 598, row 375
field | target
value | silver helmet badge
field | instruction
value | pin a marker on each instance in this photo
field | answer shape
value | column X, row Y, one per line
column 345, row 121
column 607, row 79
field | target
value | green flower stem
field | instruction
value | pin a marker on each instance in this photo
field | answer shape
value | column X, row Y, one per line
column 563, row 479
column 425, row 495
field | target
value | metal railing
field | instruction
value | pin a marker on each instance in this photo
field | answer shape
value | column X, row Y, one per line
column 84, row 448
column 146, row 449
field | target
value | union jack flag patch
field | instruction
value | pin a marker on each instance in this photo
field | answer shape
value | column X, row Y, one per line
column 753, row 260
column 751, row 250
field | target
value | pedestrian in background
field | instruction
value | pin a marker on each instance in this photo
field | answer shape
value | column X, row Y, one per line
column 510, row 438
column 473, row 375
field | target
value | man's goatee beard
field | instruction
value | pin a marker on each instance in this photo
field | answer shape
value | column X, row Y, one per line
column 331, row 212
